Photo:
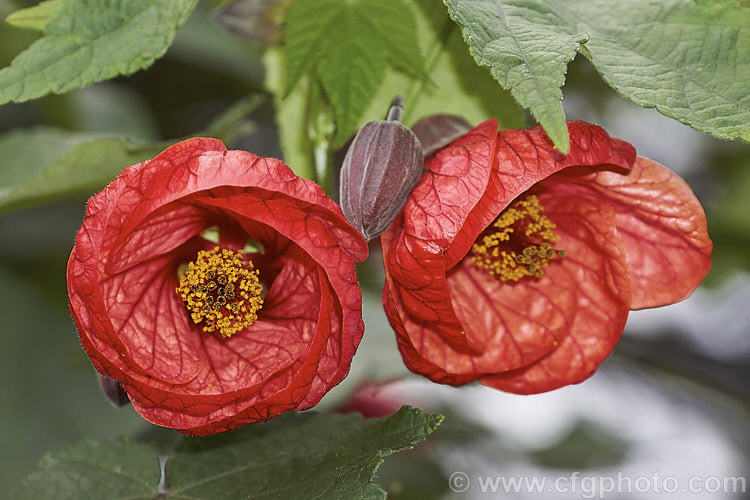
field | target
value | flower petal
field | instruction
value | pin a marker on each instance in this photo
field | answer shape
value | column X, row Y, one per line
column 404, row 327
column 313, row 235
column 458, row 197
column 289, row 387
column 525, row 157
column 145, row 223
column 516, row 323
column 437, row 208
column 597, row 260
column 662, row 225
column 159, row 233
column 152, row 324
column 204, row 164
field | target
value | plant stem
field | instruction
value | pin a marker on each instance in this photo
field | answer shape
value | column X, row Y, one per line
column 320, row 130
column 416, row 88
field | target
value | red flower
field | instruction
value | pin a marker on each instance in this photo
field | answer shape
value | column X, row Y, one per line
column 516, row 265
column 236, row 337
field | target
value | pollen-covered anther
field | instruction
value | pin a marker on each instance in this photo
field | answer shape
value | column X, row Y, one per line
column 517, row 244
column 221, row 289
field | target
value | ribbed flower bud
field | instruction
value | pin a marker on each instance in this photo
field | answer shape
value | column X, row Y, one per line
column 379, row 171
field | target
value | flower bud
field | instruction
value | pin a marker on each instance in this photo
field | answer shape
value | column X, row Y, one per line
column 436, row 131
column 379, row 171
column 112, row 390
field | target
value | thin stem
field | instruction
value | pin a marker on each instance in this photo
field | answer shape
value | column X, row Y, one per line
column 416, row 88
column 320, row 130
column 311, row 106
column 396, row 110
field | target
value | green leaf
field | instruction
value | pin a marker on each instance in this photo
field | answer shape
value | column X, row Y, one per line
column 526, row 51
column 458, row 86
column 43, row 164
column 689, row 60
column 291, row 116
column 303, row 456
column 89, row 41
column 96, row 469
column 349, row 44
column 35, row 18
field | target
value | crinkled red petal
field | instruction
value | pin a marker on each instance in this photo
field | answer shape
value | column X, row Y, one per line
column 515, row 323
column 455, row 182
column 283, row 391
column 122, row 275
column 661, row 223
column 597, row 260
column 412, row 359
column 465, row 188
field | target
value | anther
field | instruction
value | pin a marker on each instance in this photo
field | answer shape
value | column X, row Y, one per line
column 517, row 244
column 229, row 304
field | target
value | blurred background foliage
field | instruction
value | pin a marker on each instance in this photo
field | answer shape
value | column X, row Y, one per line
column 675, row 392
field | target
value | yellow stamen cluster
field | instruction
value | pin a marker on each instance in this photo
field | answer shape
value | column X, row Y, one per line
column 222, row 289
column 524, row 220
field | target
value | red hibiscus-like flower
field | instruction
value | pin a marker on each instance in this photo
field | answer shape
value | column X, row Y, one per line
column 516, row 265
column 206, row 337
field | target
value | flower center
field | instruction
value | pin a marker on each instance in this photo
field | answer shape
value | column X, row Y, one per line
column 222, row 289
column 517, row 244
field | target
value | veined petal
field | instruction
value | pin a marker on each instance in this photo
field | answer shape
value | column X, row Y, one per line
column 293, row 387
column 122, row 277
column 159, row 233
column 414, row 250
column 404, row 326
column 597, row 260
column 152, row 324
column 661, row 223
column 465, row 188
column 515, row 322
column 314, row 236
column 199, row 165
column 525, row 157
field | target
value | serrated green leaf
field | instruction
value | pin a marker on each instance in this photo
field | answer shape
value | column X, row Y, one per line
column 689, row 60
column 458, row 86
column 305, row 456
column 36, row 17
column 520, row 41
column 95, row 469
column 349, row 44
column 89, row 41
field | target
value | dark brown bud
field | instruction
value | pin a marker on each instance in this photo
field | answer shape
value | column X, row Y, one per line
column 379, row 171
column 437, row 131
column 112, row 390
